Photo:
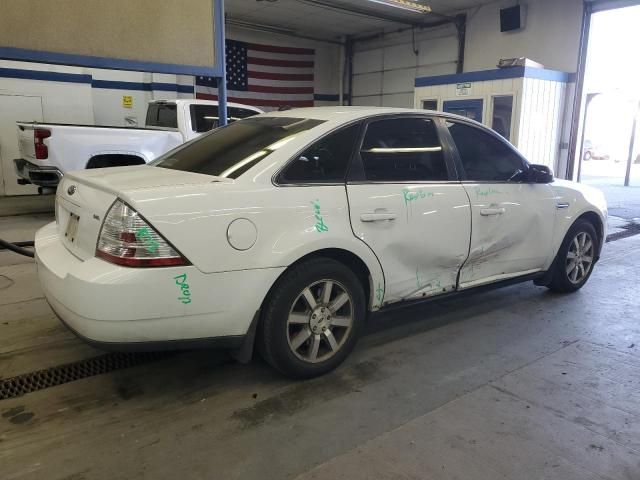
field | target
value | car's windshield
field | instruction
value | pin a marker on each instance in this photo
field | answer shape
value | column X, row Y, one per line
column 232, row 150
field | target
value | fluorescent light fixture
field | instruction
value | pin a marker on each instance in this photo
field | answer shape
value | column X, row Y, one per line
column 404, row 150
column 405, row 5
column 261, row 27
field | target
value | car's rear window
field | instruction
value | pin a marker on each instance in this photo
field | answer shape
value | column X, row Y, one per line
column 232, row 150
column 162, row 115
column 205, row 117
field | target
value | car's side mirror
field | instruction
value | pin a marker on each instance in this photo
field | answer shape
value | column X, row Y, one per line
column 539, row 174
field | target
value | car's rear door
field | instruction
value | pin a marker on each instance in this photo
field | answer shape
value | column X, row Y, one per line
column 408, row 206
column 512, row 220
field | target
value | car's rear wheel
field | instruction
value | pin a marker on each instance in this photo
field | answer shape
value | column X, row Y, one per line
column 576, row 257
column 313, row 318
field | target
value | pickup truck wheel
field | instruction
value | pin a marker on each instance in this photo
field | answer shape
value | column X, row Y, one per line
column 575, row 259
column 313, row 318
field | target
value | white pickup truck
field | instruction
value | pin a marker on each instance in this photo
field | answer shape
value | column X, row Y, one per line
column 48, row 150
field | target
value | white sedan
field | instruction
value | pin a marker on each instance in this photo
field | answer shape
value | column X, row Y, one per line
column 286, row 229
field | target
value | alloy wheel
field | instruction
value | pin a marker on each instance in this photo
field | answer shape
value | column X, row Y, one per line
column 579, row 257
column 320, row 321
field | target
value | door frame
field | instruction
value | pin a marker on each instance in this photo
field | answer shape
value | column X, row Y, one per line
column 356, row 173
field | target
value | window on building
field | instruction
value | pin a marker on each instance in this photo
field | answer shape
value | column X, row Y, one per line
column 430, row 104
column 502, row 112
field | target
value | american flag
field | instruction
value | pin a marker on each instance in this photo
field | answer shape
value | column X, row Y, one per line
column 264, row 76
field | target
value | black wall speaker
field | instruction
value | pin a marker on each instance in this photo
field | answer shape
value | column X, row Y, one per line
column 511, row 19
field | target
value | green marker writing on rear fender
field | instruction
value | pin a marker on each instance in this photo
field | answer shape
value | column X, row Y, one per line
column 181, row 281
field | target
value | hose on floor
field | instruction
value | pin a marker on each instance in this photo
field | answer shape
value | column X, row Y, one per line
column 16, row 247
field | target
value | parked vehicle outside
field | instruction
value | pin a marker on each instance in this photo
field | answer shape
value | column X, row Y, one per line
column 288, row 229
column 594, row 152
column 49, row 150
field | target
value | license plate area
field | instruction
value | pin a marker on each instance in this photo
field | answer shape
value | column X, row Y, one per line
column 72, row 227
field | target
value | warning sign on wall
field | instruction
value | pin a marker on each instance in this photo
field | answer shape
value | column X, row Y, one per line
column 127, row 101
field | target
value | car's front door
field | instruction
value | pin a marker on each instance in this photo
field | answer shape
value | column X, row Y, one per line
column 406, row 203
column 512, row 220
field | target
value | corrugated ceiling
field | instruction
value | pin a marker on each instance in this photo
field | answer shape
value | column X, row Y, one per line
column 329, row 19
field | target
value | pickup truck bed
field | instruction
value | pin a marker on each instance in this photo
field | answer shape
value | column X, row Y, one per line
column 83, row 146
column 49, row 150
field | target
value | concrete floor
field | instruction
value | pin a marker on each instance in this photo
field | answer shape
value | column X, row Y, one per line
column 518, row 383
column 608, row 176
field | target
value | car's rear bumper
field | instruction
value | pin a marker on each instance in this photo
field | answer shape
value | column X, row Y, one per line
column 120, row 308
column 43, row 176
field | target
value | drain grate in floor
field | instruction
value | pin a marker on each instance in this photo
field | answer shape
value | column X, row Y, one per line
column 50, row 377
column 630, row 230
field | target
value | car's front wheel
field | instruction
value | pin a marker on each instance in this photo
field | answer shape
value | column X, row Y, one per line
column 313, row 318
column 576, row 257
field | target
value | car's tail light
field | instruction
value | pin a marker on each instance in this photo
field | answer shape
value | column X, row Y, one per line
column 42, row 151
column 127, row 239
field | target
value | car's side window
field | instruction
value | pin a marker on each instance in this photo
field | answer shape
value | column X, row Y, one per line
column 484, row 157
column 325, row 161
column 403, row 149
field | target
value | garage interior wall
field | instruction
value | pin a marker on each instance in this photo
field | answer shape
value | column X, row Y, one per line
column 74, row 99
column 385, row 68
column 94, row 96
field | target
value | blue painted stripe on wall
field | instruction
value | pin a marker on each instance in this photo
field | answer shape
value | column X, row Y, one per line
column 326, row 97
column 119, row 85
column 171, row 87
column 497, row 74
column 47, row 76
column 158, row 86
column 82, row 78
column 11, row 53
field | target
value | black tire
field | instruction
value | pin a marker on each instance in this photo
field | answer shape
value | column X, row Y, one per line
column 275, row 342
column 587, row 156
column 561, row 280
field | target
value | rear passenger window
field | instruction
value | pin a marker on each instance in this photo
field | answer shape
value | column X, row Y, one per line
column 326, row 161
column 163, row 115
column 403, row 149
column 484, row 157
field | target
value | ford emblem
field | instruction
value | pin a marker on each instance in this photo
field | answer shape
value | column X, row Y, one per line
column 71, row 190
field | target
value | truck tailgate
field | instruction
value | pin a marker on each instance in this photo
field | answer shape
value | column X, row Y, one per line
column 25, row 142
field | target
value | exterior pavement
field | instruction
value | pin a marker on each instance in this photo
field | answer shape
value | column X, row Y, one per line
column 517, row 383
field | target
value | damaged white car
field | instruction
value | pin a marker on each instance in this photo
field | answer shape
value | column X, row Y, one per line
column 285, row 230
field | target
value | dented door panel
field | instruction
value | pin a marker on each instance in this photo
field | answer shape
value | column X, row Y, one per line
column 512, row 225
column 420, row 233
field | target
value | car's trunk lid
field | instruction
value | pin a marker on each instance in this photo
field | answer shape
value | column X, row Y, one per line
column 84, row 198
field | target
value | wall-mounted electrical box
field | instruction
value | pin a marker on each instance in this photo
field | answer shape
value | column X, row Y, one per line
column 512, row 18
